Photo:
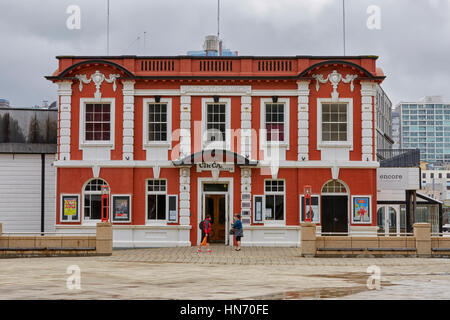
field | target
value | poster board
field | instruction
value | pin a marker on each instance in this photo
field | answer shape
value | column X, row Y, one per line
column 361, row 210
column 121, row 208
column 315, row 207
column 70, row 208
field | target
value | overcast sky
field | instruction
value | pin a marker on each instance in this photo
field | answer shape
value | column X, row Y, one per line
column 413, row 43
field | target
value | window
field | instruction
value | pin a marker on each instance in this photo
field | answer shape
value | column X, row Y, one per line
column 274, row 113
column 97, row 122
column 157, row 122
column 215, row 122
column 156, row 200
column 334, row 187
column 93, row 199
column 334, row 122
column 274, row 200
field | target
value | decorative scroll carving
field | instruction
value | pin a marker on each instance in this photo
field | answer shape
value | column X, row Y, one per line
column 97, row 77
column 334, row 78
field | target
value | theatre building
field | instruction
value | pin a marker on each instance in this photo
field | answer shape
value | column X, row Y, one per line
column 166, row 140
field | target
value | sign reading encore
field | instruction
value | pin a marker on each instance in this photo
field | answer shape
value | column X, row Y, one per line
column 398, row 178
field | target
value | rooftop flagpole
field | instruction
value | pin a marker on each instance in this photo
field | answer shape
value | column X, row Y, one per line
column 107, row 28
column 343, row 23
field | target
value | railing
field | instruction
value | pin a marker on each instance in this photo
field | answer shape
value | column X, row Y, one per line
column 216, row 65
column 399, row 158
column 274, row 65
column 157, row 65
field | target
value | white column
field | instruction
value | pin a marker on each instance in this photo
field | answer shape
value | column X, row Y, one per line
column 128, row 120
column 185, row 126
column 65, row 98
column 303, row 120
column 246, row 126
column 246, row 188
column 367, row 95
column 185, row 194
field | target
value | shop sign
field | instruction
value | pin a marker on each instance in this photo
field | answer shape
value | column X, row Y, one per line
column 398, row 178
column 210, row 166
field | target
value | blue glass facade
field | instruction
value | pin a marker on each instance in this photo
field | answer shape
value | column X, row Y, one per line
column 426, row 126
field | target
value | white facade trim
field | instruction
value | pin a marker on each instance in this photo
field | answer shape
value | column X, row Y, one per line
column 65, row 101
column 303, row 118
column 128, row 120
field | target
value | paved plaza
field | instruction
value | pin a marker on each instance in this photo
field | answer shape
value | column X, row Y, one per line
column 253, row 273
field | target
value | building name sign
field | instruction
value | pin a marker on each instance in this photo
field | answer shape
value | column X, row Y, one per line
column 205, row 166
column 398, row 178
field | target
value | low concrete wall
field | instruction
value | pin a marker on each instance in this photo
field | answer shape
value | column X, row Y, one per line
column 36, row 245
column 421, row 244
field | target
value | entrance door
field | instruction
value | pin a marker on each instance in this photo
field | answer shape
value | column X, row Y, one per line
column 215, row 206
column 334, row 214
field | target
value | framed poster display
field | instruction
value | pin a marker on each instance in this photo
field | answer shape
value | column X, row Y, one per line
column 361, row 209
column 121, row 208
column 70, row 208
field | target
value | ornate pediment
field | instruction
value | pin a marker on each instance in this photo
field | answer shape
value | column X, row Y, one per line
column 97, row 78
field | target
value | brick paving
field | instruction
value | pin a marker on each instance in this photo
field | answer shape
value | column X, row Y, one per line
column 253, row 273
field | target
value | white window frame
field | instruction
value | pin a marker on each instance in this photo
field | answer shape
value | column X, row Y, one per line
column 335, row 144
column 61, row 208
column 93, row 221
column 147, row 219
column 145, row 141
column 263, row 131
column 283, row 193
column 217, row 144
column 370, row 210
column 112, row 124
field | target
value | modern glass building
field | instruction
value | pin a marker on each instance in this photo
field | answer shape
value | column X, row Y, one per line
column 426, row 125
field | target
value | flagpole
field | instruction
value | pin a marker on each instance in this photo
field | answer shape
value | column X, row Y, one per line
column 107, row 29
column 343, row 23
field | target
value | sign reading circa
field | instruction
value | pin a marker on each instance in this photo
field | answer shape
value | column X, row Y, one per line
column 398, row 178
column 209, row 166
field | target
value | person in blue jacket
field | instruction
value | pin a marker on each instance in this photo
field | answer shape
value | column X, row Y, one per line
column 238, row 231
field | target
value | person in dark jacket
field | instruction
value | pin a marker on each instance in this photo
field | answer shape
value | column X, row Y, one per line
column 206, row 231
column 238, row 231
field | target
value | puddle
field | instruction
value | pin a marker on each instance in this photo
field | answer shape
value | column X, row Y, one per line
column 327, row 292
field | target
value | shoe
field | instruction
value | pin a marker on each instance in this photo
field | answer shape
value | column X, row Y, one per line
column 209, row 250
column 199, row 250
column 237, row 249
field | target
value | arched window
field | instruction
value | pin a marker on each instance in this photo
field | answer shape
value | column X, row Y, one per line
column 334, row 187
column 93, row 199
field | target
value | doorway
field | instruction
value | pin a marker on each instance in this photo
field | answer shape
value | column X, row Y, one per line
column 334, row 214
column 215, row 206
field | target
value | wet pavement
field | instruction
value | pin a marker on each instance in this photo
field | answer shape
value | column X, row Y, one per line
column 253, row 273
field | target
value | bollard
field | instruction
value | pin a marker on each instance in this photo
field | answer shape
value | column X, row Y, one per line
column 308, row 237
column 103, row 239
column 422, row 233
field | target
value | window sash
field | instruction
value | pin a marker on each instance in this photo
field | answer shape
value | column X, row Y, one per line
column 334, row 122
column 97, row 126
column 275, row 202
column 156, row 207
column 275, row 122
column 215, row 122
column 157, row 117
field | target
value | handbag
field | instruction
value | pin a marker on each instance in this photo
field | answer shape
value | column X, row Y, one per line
column 232, row 231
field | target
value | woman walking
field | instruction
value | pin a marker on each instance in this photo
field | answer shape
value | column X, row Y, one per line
column 238, row 231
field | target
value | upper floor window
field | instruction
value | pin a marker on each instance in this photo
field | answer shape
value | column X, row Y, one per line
column 157, row 122
column 215, row 122
column 334, row 122
column 274, row 113
column 98, row 122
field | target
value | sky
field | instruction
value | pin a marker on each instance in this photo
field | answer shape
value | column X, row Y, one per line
column 412, row 41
